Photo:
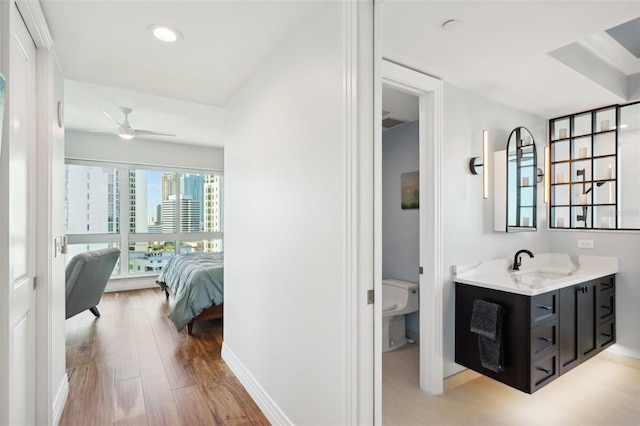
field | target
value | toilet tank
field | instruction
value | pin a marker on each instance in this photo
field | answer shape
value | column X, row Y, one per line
column 403, row 293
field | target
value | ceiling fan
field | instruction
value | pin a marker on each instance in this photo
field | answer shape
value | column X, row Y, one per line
column 125, row 131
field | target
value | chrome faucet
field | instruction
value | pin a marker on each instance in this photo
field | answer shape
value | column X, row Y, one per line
column 517, row 261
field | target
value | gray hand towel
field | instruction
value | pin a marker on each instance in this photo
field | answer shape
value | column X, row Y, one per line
column 486, row 322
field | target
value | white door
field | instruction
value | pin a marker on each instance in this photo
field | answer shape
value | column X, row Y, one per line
column 19, row 347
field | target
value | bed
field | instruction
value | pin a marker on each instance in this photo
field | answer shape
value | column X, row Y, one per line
column 195, row 281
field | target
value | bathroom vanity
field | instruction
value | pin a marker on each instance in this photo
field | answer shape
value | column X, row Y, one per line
column 558, row 311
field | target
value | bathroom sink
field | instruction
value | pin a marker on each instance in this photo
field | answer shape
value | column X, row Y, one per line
column 539, row 277
column 544, row 274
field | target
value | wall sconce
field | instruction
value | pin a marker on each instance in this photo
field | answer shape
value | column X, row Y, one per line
column 475, row 162
column 547, row 174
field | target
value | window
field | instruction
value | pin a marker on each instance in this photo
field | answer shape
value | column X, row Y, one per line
column 85, row 213
column 164, row 212
column 595, row 178
column 150, row 256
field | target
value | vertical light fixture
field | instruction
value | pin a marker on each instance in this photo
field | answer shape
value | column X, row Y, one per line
column 475, row 162
column 547, row 174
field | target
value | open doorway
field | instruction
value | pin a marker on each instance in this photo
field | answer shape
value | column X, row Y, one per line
column 428, row 91
column 400, row 246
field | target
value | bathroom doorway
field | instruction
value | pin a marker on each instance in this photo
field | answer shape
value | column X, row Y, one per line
column 400, row 207
column 400, row 245
column 428, row 91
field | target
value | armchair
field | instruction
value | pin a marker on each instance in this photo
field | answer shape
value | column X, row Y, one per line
column 87, row 275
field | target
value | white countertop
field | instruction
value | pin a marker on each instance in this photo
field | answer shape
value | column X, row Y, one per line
column 545, row 272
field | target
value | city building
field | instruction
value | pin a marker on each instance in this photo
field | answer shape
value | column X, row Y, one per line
column 137, row 201
column 148, row 261
column 213, row 209
column 95, row 188
column 189, row 214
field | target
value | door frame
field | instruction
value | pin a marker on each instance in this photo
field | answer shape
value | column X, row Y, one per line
column 429, row 91
column 50, row 357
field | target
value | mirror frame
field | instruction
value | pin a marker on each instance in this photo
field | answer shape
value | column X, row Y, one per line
column 518, row 145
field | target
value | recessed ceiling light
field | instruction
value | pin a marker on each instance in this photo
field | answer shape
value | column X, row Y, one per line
column 164, row 33
column 450, row 25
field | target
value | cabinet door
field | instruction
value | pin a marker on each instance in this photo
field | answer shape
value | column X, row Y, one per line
column 569, row 349
column 588, row 320
column 579, row 324
column 606, row 306
column 607, row 336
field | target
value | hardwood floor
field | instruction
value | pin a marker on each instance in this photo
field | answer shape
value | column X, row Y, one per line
column 131, row 367
column 598, row 392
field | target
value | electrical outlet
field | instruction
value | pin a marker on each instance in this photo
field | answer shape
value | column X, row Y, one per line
column 586, row 244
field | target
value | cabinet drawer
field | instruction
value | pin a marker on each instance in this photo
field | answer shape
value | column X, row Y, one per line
column 544, row 371
column 544, row 307
column 544, row 339
column 607, row 334
column 606, row 306
column 606, row 283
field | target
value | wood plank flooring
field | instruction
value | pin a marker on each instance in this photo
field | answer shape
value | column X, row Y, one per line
column 131, row 367
column 598, row 392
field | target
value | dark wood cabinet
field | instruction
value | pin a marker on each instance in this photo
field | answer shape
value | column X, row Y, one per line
column 587, row 326
column 530, row 336
column 545, row 335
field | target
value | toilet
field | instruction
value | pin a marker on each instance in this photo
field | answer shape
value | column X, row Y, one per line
column 398, row 298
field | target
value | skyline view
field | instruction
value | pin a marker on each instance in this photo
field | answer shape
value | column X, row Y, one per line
column 154, row 187
column 157, row 202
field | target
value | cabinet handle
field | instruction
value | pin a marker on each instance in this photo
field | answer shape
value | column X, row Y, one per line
column 548, row 308
column 543, row 369
column 546, row 339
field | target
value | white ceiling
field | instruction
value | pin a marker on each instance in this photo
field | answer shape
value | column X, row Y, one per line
column 194, row 123
column 499, row 51
column 399, row 105
column 170, row 87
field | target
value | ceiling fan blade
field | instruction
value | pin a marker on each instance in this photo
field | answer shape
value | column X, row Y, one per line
column 112, row 119
column 153, row 133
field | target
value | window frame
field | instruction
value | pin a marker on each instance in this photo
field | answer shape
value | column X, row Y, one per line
column 570, row 137
column 125, row 237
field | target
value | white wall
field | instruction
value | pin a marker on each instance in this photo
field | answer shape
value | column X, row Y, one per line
column 400, row 228
column 285, row 227
column 51, row 367
column 104, row 147
column 468, row 218
column 628, row 173
column 625, row 246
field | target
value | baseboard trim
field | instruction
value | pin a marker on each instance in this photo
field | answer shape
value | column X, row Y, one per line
column 461, row 378
column 270, row 409
column 414, row 336
column 620, row 359
column 61, row 399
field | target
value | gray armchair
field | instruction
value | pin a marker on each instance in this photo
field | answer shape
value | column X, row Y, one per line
column 87, row 275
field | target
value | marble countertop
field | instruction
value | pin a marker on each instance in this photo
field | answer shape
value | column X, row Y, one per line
column 545, row 272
